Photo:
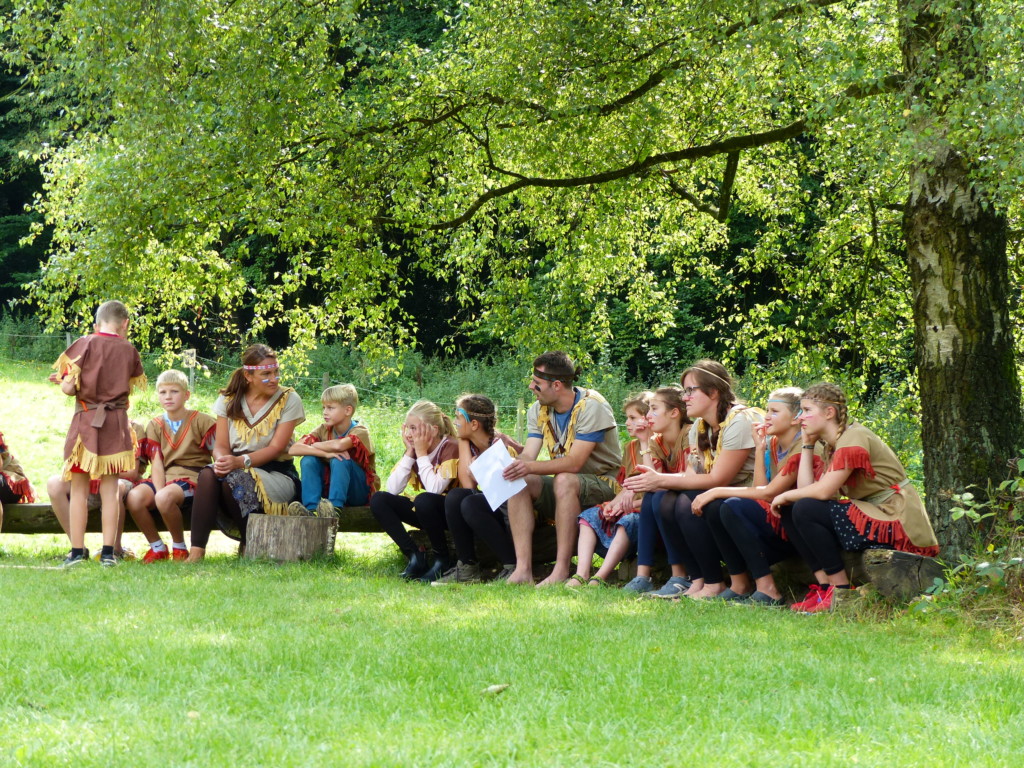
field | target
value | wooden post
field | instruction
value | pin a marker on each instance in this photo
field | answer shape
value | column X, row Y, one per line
column 67, row 339
column 326, row 381
column 520, row 427
column 188, row 359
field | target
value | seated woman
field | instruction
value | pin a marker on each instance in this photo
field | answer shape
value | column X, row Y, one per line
column 721, row 452
column 430, row 467
column 881, row 510
column 466, row 509
column 251, row 471
column 748, row 532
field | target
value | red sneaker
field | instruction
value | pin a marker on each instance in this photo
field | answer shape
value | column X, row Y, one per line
column 825, row 604
column 179, row 554
column 152, row 555
column 812, row 598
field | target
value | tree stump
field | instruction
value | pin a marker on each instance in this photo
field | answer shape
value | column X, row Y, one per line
column 286, row 538
column 901, row 575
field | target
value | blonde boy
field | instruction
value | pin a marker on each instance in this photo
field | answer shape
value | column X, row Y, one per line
column 179, row 444
column 99, row 371
column 338, row 465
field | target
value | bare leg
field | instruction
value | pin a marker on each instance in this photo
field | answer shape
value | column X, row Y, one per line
column 59, row 491
column 110, row 508
column 78, row 514
column 124, row 487
column 196, row 554
column 766, row 585
column 567, row 511
column 521, row 521
column 839, row 579
column 741, row 583
column 616, row 552
column 140, row 501
column 585, row 553
column 169, row 500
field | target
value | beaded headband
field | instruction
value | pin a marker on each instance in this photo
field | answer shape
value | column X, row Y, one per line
column 709, row 373
column 267, row 367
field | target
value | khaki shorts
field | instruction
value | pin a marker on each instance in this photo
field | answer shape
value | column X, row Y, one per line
column 593, row 490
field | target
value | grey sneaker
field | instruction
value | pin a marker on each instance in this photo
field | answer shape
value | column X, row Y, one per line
column 674, row 587
column 295, row 509
column 640, row 585
column 460, row 573
column 505, row 572
column 108, row 561
column 72, row 560
column 326, row 509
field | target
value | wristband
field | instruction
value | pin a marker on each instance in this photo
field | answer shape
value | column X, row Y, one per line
column 808, row 446
column 645, row 453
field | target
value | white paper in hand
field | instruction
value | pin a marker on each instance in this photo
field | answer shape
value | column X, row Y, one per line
column 487, row 469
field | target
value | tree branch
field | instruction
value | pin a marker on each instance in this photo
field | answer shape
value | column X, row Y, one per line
column 734, row 144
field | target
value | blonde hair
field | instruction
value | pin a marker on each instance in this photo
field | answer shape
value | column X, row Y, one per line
column 342, row 394
column 640, row 401
column 788, row 395
column 429, row 413
column 174, row 378
column 111, row 312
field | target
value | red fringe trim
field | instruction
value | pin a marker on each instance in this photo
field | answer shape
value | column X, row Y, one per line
column 886, row 532
column 792, row 466
column 853, row 457
column 149, row 448
column 26, row 493
column 775, row 521
column 209, row 439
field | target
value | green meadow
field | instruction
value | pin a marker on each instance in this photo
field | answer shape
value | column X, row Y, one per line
column 337, row 662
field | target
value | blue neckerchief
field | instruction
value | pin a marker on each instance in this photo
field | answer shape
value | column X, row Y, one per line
column 174, row 425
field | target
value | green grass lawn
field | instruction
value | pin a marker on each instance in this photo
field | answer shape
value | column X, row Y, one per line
column 339, row 663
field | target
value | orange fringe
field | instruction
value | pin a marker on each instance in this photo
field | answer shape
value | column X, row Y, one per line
column 886, row 532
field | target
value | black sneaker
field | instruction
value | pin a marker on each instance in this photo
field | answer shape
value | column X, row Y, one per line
column 72, row 559
column 506, row 571
column 108, row 561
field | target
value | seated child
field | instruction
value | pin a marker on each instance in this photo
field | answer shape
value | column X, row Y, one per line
column 179, row 444
column 338, row 464
column 655, row 421
column 59, row 491
column 14, row 485
column 99, row 371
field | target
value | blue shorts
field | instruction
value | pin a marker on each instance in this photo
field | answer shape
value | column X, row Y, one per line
column 630, row 523
column 185, row 485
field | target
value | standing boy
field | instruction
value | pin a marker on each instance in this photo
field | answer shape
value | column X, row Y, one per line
column 99, row 371
column 338, row 465
column 180, row 444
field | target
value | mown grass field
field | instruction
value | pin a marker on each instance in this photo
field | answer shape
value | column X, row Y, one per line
column 338, row 663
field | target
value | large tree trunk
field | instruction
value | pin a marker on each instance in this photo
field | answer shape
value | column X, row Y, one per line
column 972, row 423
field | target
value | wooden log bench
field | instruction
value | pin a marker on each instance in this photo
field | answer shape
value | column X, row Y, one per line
column 39, row 518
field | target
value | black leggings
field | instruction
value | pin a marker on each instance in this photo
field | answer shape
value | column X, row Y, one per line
column 470, row 517
column 747, row 541
column 821, row 531
column 689, row 536
column 7, row 496
column 425, row 512
column 213, row 496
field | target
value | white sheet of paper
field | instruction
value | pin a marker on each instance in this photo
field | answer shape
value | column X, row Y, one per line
column 487, row 469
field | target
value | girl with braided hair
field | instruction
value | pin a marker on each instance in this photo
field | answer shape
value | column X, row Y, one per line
column 880, row 509
column 748, row 532
column 721, row 452
column 466, row 509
